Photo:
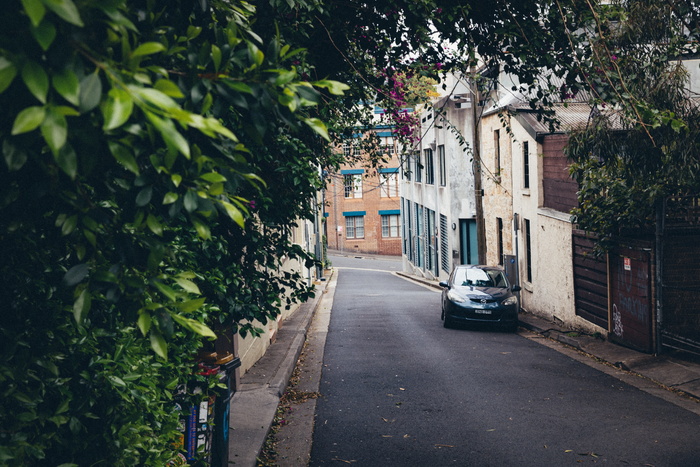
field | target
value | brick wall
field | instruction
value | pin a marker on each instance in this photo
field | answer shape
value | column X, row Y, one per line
column 371, row 203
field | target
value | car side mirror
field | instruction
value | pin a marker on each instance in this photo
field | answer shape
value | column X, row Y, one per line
column 444, row 284
column 515, row 288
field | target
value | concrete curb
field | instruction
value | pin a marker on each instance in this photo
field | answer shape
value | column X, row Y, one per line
column 254, row 405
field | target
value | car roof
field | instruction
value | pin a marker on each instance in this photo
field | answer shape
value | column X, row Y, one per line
column 478, row 266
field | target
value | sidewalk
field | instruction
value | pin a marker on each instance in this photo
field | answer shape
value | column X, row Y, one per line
column 254, row 404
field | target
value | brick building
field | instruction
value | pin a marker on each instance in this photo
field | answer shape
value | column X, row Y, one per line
column 362, row 205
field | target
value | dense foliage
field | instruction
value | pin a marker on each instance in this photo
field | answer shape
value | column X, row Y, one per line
column 642, row 144
column 155, row 155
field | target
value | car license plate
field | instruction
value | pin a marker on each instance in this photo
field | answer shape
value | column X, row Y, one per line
column 482, row 312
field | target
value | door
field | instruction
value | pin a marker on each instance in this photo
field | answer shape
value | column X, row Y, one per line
column 468, row 244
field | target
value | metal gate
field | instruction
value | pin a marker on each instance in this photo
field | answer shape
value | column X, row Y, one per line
column 631, row 296
column 680, row 312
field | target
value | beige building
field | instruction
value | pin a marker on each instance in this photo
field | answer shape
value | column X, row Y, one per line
column 528, row 195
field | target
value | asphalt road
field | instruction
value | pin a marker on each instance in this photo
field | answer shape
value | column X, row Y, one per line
column 400, row 390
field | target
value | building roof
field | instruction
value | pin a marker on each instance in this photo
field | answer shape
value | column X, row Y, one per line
column 568, row 117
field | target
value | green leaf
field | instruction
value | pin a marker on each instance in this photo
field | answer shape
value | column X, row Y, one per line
column 194, row 326
column 170, row 135
column 165, row 290
column 334, row 87
column 28, row 120
column 144, row 196
column 319, row 127
column 238, row 86
column 54, row 129
column 36, row 80
column 44, row 34
column 155, row 97
column 15, row 156
column 66, row 83
column 144, row 322
column 169, row 88
column 8, row 71
column 90, row 92
column 148, row 48
column 67, row 160
column 216, row 56
column 191, row 305
column 154, row 225
column 234, row 213
column 69, row 225
column 188, row 285
column 124, row 156
column 66, row 9
column 202, row 229
column 215, row 189
column 191, row 201
column 105, row 276
column 76, row 274
column 170, row 198
column 158, row 344
column 213, row 177
column 116, row 381
column 81, row 307
column 66, row 111
column 35, row 10
column 116, row 109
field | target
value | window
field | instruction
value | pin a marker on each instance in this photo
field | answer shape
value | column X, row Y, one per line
column 419, row 167
column 388, row 145
column 442, row 169
column 526, row 164
column 420, row 251
column 431, row 240
column 390, row 225
column 497, row 153
column 429, row 167
column 355, row 227
column 353, row 185
column 389, row 184
column 528, row 250
column 499, row 235
column 351, row 148
column 444, row 244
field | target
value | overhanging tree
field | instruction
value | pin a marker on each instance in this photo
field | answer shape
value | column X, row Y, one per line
column 155, row 156
column 643, row 141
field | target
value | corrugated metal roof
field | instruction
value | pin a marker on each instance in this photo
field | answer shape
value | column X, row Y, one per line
column 570, row 117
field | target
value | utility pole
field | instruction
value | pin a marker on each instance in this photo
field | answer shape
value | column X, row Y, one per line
column 476, row 150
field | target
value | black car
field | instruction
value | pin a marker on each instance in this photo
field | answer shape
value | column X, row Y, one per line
column 479, row 294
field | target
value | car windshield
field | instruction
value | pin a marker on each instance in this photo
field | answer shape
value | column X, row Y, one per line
column 480, row 278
